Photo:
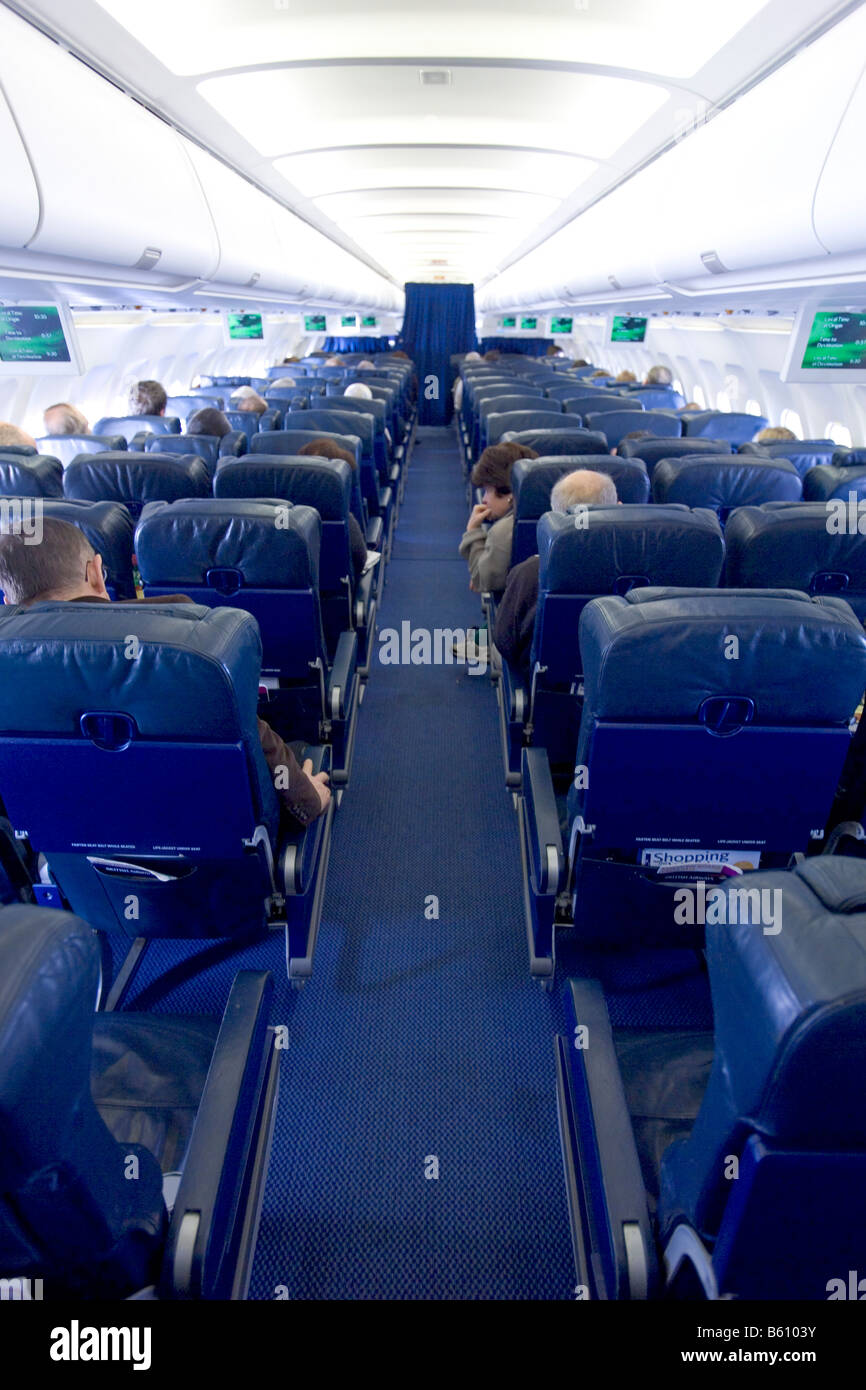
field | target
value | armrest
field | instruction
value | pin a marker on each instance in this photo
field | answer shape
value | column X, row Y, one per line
column 373, row 537
column 614, row 1246
column 299, row 850
column 209, row 1204
column 342, row 674
column 394, row 473
column 544, row 841
column 514, row 695
column 364, row 598
column 384, row 498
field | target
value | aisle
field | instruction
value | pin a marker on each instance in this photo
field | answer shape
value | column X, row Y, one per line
column 420, row 1042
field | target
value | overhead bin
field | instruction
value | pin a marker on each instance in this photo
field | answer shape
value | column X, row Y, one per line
column 249, row 249
column 19, row 206
column 840, row 199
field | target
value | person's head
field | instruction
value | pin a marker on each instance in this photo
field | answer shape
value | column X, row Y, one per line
column 334, row 362
column 358, row 391
column 12, row 437
column 208, row 421
column 634, row 435
column 250, row 400
column 472, row 357
column 492, row 473
column 493, row 355
column 63, row 565
column 63, row 418
column 580, row 362
column 775, row 434
column 598, row 372
column 147, row 398
column 693, row 405
column 583, row 488
column 281, row 381
column 625, row 376
column 553, row 350
column 326, row 449
column 401, row 356
column 659, row 376
column 286, row 360
column 367, row 365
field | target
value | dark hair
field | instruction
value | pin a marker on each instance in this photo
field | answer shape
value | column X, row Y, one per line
column 29, row 572
column 208, row 421
column 580, row 362
column 493, row 355
column 493, row 469
column 290, row 359
column 326, row 449
column 638, row 434
column 147, row 398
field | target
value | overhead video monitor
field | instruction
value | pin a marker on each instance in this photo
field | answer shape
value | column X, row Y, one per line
column 627, row 329
column 369, row 321
column 827, row 345
column 37, row 338
column 314, row 323
column 509, row 322
column 349, row 321
column 528, row 325
column 560, row 325
column 244, row 328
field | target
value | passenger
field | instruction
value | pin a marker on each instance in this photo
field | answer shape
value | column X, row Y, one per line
column 580, row 362
column 13, row 438
column 473, row 357
column 334, row 362
column 659, row 376
column 245, row 398
column 63, row 418
column 599, row 372
column 286, row 360
column 553, row 350
column 366, row 365
column 775, row 434
column 492, row 356
column 693, row 405
column 147, row 398
column 208, row 421
column 515, row 616
column 64, row 567
column 634, row 434
column 488, row 553
column 401, row 356
column 358, row 391
column 330, row 449
column 625, row 376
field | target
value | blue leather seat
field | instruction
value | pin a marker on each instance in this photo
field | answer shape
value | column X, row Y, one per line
column 652, row 451
column 671, row 1116
column 607, row 550
column 617, row 423
column 132, row 427
column 548, row 442
column 108, row 527
column 655, row 397
column 388, row 473
column 66, row 447
column 270, row 420
column 292, row 369
column 244, row 421
column 722, row 424
column 561, row 389
column 377, row 494
column 190, row 1094
column 517, row 421
column 804, row 453
column 725, row 481
column 262, row 556
column 494, row 407
column 849, row 458
column 791, row 545
column 184, row 406
column 290, row 442
column 135, row 478
column 589, row 402
column 326, row 485
column 290, row 397
column 533, row 479
column 152, row 709
column 828, row 482
column 209, row 447
column 30, row 475
column 715, row 720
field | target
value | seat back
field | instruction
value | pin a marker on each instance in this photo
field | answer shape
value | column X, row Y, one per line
column 108, row 527
column 804, row 453
column 66, row 447
column 132, row 426
column 288, row 443
column 655, row 397
column 797, row 545
column 584, row 402
column 549, row 442
column 533, row 479
column 261, row 556
column 849, row 458
column 135, row 478
column 243, row 421
column 617, row 423
column 143, row 719
column 30, row 475
column 518, row 421
column 184, row 406
column 652, row 451
column 722, row 424
column 206, row 446
column 68, row 1213
column 725, row 481
column 787, row 973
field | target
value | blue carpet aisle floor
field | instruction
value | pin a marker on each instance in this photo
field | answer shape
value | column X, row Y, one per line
column 421, row 1043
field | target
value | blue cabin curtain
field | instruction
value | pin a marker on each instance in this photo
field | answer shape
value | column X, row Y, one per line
column 355, row 345
column 439, row 320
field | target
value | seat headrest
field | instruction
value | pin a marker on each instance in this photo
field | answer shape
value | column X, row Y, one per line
column 730, row 424
column 533, row 479
column 132, row 477
column 207, row 446
column 658, row 544
column 271, row 542
column 803, row 454
column 131, row 425
column 724, row 481
column 794, row 545
column 324, row 484
column 659, row 658
column 653, row 450
column 849, row 458
column 828, row 482
column 326, row 422
column 33, row 476
column 549, row 442
column 291, row 441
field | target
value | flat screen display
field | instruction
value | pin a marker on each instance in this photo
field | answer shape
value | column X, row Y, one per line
column 245, row 327
column 368, row 321
column 314, row 323
column 509, row 323
column 528, row 325
column 836, row 341
column 627, row 329
column 33, row 333
column 561, row 325
column 348, row 321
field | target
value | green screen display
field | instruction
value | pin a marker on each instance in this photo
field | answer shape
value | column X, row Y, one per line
column 509, row 323
column 627, row 329
column 368, row 321
column 561, row 325
column 837, row 340
column 314, row 323
column 528, row 323
column 244, row 326
column 348, row 321
column 32, row 333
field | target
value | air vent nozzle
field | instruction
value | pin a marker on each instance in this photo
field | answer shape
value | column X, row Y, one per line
column 435, row 77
